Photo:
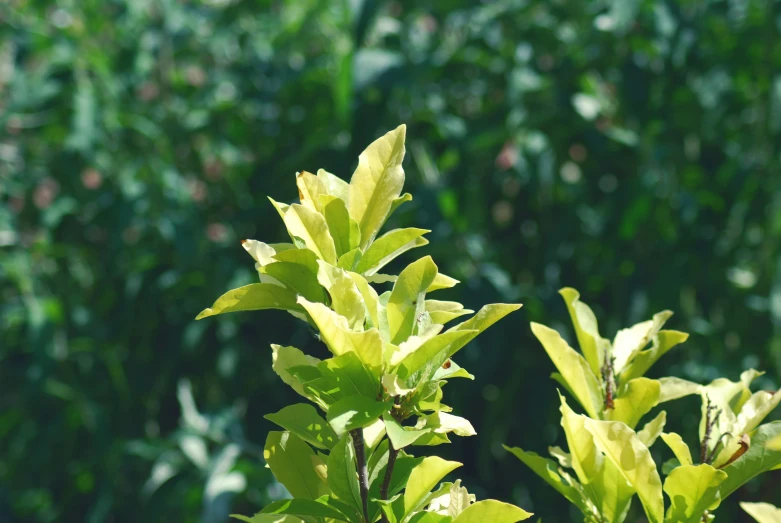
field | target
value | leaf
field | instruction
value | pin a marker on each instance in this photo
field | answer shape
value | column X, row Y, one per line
column 334, row 185
column 343, row 229
column 303, row 508
column 692, row 489
column 762, row 512
column 423, row 357
column 267, row 518
column 295, row 465
column 309, row 225
column 407, row 300
column 624, row 449
column 629, row 342
column 758, row 459
column 635, row 399
column 573, row 367
column 310, row 187
column 423, row 478
column 346, row 375
column 340, row 339
column 430, row 517
column 398, row 202
column 342, row 473
column 592, row 345
column 388, row 247
column 253, row 297
column 442, row 281
column 401, row 472
column 493, row 511
column 304, row 421
column 400, row 436
column 297, row 270
column 377, row 182
column 675, row 388
column 346, row 299
column 285, row 358
column 679, row 448
column 354, row 412
column 547, row 470
column 652, row 429
column 443, row 423
column 444, row 311
column 662, row 343
column 370, row 298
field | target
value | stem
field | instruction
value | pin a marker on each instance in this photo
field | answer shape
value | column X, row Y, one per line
column 363, row 476
column 392, row 453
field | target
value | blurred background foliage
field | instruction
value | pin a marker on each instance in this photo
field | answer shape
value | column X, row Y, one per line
column 628, row 148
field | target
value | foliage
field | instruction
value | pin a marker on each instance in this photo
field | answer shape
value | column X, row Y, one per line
column 390, row 356
column 623, row 148
column 612, row 461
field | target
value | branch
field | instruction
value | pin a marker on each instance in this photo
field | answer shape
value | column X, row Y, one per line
column 363, row 476
column 392, row 453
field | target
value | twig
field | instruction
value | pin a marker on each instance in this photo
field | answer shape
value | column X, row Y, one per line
column 363, row 476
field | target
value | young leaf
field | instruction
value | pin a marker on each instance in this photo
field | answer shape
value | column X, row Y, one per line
column 354, row 412
column 444, row 311
column 342, row 475
column 295, row 465
column 309, row 225
column 346, row 375
column 334, row 185
column 253, row 297
column 634, row 400
column 389, row 246
column 444, row 423
column 762, row 512
column 401, row 472
column 285, row 358
column 423, row 478
column 310, row 188
column 692, row 489
column 340, row 339
column 400, row 436
column 547, row 470
column 592, row 345
column 442, row 281
column 629, row 342
column 377, row 182
column 430, row 349
column 673, row 388
column 652, row 429
column 624, row 449
column 267, row 518
column 407, row 300
column 573, row 367
column 297, row 270
column 759, row 458
column 493, row 511
column 679, row 448
column 430, row 517
column 662, row 343
column 304, row 508
column 304, row 421
column 344, row 230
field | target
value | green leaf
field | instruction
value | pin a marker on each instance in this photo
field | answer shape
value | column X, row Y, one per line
column 398, row 202
column 370, row 298
column 353, row 412
column 344, row 230
column 297, row 270
column 349, row 260
column 400, row 436
column 423, row 478
column 759, row 458
column 267, row 518
column 426, row 355
column 493, row 511
column 624, row 449
column 346, row 300
column 573, row 368
column 388, row 247
column 634, row 400
column 285, row 358
column 444, row 423
column 304, row 508
column 762, row 512
column 444, row 311
column 340, row 339
column 547, row 470
column 407, row 300
column 401, row 472
column 309, row 225
column 679, row 447
column 430, row 517
column 592, row 345
column 346, row 375
column 310, row 188
column 295, row 465
column 652, row 429
column 442, row 281
column 253, row 297
column 485, row 318
column 675, row 388
column 342, row 473
column 304, row 421
column 662, row 343
column 692, row 489
column 377, row 182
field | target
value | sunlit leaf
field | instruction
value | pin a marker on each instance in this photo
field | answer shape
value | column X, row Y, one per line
column 692, row 489
column 492, row 510
column 762, row 512
column 303, row 420
column 342, row 475
column 253, row 297
column 592, row 345
column 388, row 247
column 295, row 465
column 354, row 412
column 423, row 478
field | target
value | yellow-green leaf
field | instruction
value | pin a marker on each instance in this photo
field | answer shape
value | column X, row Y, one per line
column 388, row 247
column 423, row 478
column 759, row 458
column 342, row 473
column 633, row 401
column 334, row 185
column 652, row 429
column 592, row 345
column 493, row 511
column 253, row 297
column 354, row 412
column 444, row 311
column 343, row 229
column 573, row 367
column 762, row 512
column 285, row 358
column 679, row 447
column 442, row 281
column 643, row 360
column 310, row 226
column 377, row 182
column 407, row 300
column 310, row 187
column 303, row 420
column 629, row 342
column 692, row 489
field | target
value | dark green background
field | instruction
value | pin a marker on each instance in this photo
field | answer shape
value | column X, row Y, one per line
column 627, row 148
